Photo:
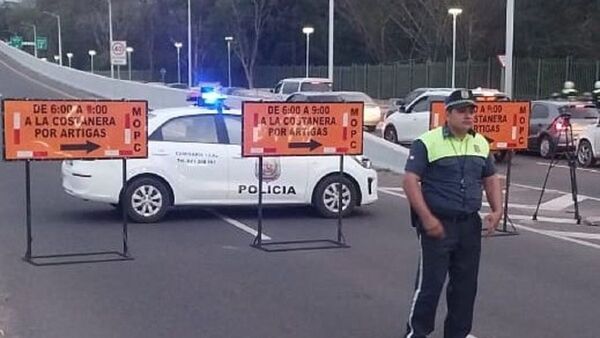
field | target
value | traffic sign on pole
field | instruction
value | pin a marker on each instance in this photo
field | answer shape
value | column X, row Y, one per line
column 42, row 43
column 118, row 53
column 56, row 130
column 292, row 129
column 16, row 41
column 505, row 124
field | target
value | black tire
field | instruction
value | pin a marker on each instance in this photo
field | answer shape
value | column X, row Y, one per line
column 585, row 154
column 325, row 197
column 146, row 200
column 546, row 147
column 390, row 134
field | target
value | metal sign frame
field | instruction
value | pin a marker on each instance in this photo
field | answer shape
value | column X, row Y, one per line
column 297, row 245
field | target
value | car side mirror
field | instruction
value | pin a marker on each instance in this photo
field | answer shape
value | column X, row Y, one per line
column 272, row 90
column 402, row 109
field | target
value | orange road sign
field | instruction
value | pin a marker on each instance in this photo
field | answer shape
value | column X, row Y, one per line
column 289, row 129
column 505, row 124
column 73, row 129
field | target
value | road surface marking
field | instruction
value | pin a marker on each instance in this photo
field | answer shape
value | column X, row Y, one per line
column 567, row 167
column 238, row 224
column 560, row 203
column 39, row 82
column 556, row 235
column 580, row 235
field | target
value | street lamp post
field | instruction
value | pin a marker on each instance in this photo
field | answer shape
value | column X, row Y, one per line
column 129, row 50
column 35, row 51
column 178, row 45
column 229, row 39
column 330, row 57
column 510, row 17
column 189, row 63
column 57, row 17
column 91, row 53
column 308, row 31
column 454, row 12
column 70, row 56
column 110, row 33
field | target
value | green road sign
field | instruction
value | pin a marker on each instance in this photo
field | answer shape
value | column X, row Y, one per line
column 16, row 41
column 42, row 43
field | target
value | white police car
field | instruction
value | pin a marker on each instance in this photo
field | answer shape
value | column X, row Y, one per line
column 194, row 158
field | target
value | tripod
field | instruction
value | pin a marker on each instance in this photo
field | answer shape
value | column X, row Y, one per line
column 571, row 160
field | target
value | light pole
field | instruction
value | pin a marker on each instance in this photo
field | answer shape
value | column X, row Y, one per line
column 35, row 51
column 229, row 39
column 129, row 50
column 110, row 33
column 330, row 58
column 189, row 64
column 308, row 31
column 57, row 17
column 70, row 56
column 91, row 53
column 454, row 12
column 178, row 45
column 510, row 19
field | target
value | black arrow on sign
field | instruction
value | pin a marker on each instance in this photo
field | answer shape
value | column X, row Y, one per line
column 312, row 145
column 88, row 147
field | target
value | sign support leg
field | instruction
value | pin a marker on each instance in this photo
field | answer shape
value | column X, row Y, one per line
column 340, row 235
column 28, row 208
column 507, row 193
column 258, row 239
column 124, row 210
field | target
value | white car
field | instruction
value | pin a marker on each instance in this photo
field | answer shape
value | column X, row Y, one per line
column 411, row 121
column 195, row 159
column 285, row 87
column 588, row 145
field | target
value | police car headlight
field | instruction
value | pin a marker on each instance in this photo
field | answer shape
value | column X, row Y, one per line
column 363, row 161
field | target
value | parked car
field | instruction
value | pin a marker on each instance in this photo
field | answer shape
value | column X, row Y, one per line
column 549, row 121
column 195, row 159
column 588, row 145
column 372, row 113
column 289, row 86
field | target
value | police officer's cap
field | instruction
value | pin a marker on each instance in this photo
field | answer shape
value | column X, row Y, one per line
column 459, row 99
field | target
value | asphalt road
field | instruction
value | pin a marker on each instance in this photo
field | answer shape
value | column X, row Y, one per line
column 194, row 275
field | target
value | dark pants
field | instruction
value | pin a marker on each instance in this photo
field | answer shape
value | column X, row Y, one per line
column 456, row 255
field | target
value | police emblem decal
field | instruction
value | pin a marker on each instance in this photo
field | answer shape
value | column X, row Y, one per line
column 476, row 148
column 464, row 94
column 271, row 169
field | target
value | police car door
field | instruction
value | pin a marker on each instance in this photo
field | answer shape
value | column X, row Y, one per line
column 188, row 150
column 284, row 178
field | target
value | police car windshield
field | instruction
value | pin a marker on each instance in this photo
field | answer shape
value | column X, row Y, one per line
column 316, row 87
column 587, row 112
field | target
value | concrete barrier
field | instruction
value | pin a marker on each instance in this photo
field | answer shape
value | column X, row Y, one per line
column 157, row 96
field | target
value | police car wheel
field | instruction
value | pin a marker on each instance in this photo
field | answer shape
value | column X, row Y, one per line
column 585, row 155
column 146, row 200
column 389, row 134
column 546, row 147
column 326, row 198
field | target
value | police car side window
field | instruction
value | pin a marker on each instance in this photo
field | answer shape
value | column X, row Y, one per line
column 234, row 129
column 199, row 129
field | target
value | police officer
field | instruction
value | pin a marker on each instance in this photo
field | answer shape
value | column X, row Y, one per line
column 596, row 94
column 569, row 92
column 447, row 170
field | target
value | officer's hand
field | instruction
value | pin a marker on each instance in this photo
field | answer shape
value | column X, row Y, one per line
column 433, row 227
column 491, row 222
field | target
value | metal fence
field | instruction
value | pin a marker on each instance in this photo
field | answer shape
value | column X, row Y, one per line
column 533, row 78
